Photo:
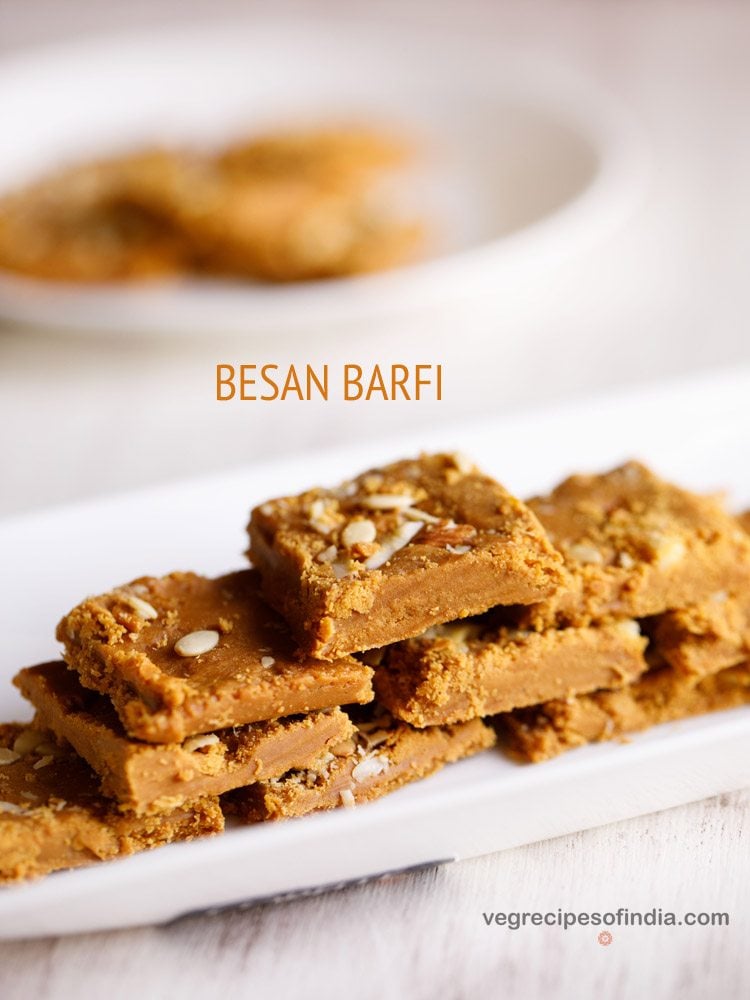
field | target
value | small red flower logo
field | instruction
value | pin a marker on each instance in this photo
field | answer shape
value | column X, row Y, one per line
column 604, row 937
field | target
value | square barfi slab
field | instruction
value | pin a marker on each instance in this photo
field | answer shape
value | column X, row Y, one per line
column 145, row 777
column 396, row 550
column 635, row 546
column 465, row 670
column 383, row 756
column 53, row 816
column 703, row 638
column 536, row 734
column 182, row 654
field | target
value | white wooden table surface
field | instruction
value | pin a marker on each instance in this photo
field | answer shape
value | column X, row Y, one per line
column 667, row 294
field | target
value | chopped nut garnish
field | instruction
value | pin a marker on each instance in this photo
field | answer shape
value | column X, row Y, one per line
column 389, row 546
column 43, row 762
column 387, row 501
column 368, row 767
column 586, row 554
column 8, row 756
column 143, row 609
column 629, row 627
column 357, row 532
column 267, row 661
column 670, row 552
column 199, row 742
column 197, row 643
column 347, row 798
column 10, row 807
column 327, row 555
column 28, row 740
column 414, row 514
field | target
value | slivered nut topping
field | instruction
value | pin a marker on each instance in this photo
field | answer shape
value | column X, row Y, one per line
column 327, row 555
column 584, row 553
column 10, row 807
column 27, row 741
column 391, row 545
column 321, row 519
column 347, row 798
column 386, row 501
column 43, row 762
column 625, row 560
column 145, row 611
column 415, row 514
column 8, row 756
column 197, row 643
column 267, row 661
column 358, row 532
column 199, row 742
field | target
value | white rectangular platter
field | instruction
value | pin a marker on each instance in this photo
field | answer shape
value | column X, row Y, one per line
column 695, row 431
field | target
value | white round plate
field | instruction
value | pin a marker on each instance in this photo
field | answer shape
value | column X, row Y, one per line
column 520, row 164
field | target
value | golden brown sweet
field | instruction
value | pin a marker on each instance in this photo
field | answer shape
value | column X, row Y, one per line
column 342, row 157
column 183, row 654
column 465, row 670
column 111, row 220
column 635, row 546
column 383, row 756
column 52, row 815
column 283, row 207
column 148, row 778
column 397, row 550
column 537, row 734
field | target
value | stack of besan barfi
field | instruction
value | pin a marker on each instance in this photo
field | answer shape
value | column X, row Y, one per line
column 650, row 625
column 388, row 627
column 183, row 699
column 173, row 691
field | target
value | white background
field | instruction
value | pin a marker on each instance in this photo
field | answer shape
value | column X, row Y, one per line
column 667, row 294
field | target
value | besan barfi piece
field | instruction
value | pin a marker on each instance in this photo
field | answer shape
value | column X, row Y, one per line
column 703, row 638
column 635, row 546
column 396, row 550
column 465, row 670
column 53, row 816
column 383, row 756
column 145, row 777
column 183, row 655
column 539, row 733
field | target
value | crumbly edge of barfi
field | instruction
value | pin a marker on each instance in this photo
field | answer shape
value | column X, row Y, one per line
column 408, row 755
column 543, row 732
column 437, row 681
column 192, row 713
